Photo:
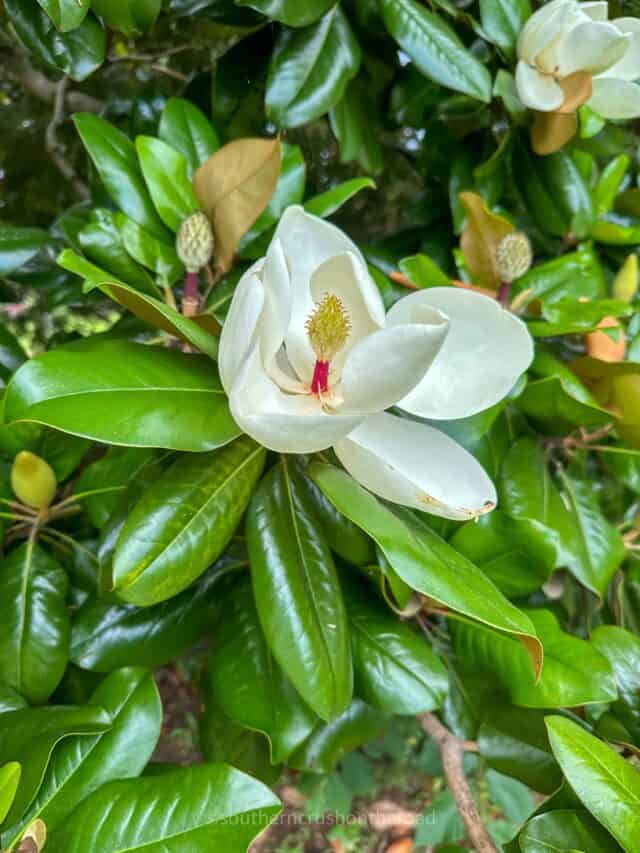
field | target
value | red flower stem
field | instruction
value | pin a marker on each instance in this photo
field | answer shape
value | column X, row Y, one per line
column 190, row 296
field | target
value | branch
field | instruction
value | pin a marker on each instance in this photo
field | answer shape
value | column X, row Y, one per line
column 53, row 147
column 39, row 85
column 452, row 750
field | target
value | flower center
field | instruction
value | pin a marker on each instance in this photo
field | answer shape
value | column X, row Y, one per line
column 328, row 328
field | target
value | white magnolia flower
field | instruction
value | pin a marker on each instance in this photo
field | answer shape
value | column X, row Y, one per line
column 310, row 361
column 570, row 54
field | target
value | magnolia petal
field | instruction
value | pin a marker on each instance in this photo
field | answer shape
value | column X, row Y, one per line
column 597, row 10
column 537, row 91
column 347, row 277
column 286, row 423
column 418, row 466
column 384, row 367
column 307, row 242
column 542, row 28
column 485, row 351
column 240, row 324
column 591, row 46
column 628, row 68
column 277, row 302
column 615, row 99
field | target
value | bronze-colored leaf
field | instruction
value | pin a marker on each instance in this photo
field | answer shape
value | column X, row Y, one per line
column 550, row 131
column 479, row 240
column 233, row 187
column 603, row 346
column 577, row 89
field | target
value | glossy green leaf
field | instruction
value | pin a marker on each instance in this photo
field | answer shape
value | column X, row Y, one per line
column 554, row 192
column 62, row 451
column 514, row 741
column 184, row 522
column 329, row 743
column 187, row 130
column 150, row 310
column 574, row 672
column 166, row 174
column 124, row 393
column 575, row 274
column 423, row 271
column 502, row 21
column 104, row 481
column 435, row 48
column 34, row 643
column 607, row 784
column 565, row 831
column 9, row 779
column 355, row 125
column 65, row 14
column 131, row 17
column 199, row 808
column 513, row 555
column 10, row 699
column 114, row 156
column 248, row 684
column 154, row 254
column 513, row 798
column 18, row 246
column 622, row 650
column 80, row 765
column 329, row 202
column 29, row 736
column 293, row 13
column 101, row 242
column 11, row 353
column 310, row 69
column 105, row 636
column 297, row 592
column 77, row 53
column 395, row 669
column 621, row 231
column 423, row 560
column 609, row 183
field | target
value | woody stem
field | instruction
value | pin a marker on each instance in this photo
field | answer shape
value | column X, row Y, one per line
column 190, row 296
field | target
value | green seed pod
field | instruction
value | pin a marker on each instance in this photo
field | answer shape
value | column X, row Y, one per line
column 32, row 480
column 513, row 256
column 195, row 242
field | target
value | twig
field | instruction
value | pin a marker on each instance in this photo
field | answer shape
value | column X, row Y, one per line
column 452, row 750
column 38, row 85
column 52, row 146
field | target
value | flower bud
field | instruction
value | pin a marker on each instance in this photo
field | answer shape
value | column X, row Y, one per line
column 33, row 480
column 513, row 256
column 35, row 836
column 194, row 242
column 625, row 284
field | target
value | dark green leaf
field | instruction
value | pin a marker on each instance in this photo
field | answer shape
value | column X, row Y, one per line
column 622, row 650
column 80, row 765
column 310, row 69
column 564, row 831
column 34, row 643
column 297, row 592
column 154, row 254
column 187, row 130
column 11, row 353
column 607, row 784
column 574, row 275
column 423, row 271
column 124, row 393
column 77, row 53
column 29, row 736
column 513, row 798
column 293, row 13
column 66, row 14
column 248, row 684
column 165, row 172
column 114, row 156
column 435, row 48
column 199, row 808
column 18, row 246
column 329, row 202
column 502, row 21
column 131, row 17
column 355, row 125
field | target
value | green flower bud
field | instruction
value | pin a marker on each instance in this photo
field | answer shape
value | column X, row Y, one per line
column 195, row 242
column 33, row 480
column 513, row 256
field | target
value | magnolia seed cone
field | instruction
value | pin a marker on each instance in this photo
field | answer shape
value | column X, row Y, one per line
column 513, row 256
column 195, row 242
column 32, row 480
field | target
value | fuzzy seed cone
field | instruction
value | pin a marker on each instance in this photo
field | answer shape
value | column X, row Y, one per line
column 513, row 256
column 194, row 242
column 32, row 480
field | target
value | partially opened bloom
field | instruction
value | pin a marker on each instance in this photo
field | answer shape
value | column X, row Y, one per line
column 309, row 361
column 569, row 54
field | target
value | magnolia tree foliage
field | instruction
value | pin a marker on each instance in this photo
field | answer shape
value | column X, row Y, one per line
column 355, row 400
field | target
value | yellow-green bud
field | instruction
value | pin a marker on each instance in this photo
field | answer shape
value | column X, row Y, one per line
column 625, row 284
column 513, row 256
column 35, row 836
column 194, row 242
column 33, row 480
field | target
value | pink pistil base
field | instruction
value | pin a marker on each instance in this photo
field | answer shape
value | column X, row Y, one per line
column 320, row 381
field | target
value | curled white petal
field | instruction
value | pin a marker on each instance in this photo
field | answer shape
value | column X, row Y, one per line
column 537, row 91
column 486, row 349
column 417, row 466
column 240, row 324
column 615, row 99
column 591, row 46
column 628, row 68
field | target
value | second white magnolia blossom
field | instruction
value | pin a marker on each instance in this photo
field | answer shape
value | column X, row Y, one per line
column 569, row 53
column 309, row 361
